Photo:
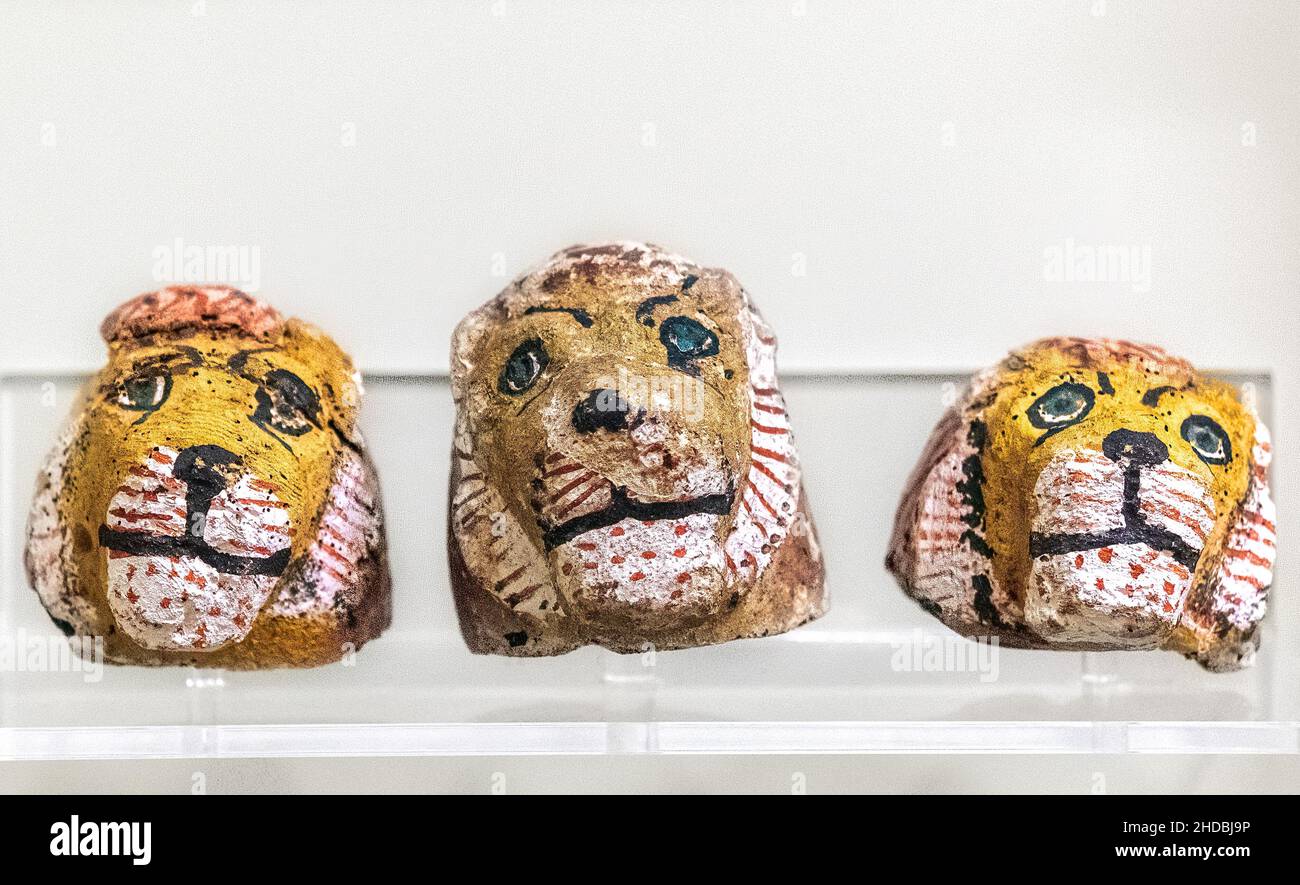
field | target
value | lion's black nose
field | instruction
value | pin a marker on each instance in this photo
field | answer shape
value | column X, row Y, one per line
column 203, row 469
column 1138, row 448
column 601, row 409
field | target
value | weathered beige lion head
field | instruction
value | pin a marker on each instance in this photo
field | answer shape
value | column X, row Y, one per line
column 624, row 471
column 1094, row 494
column 211, row 503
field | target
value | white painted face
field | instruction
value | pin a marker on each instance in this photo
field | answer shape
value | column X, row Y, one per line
column 646, row 515
column 1121, row 567
column 195, row 546
column 675, row 483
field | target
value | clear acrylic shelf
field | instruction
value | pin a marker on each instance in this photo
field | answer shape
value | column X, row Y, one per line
column 870, row 677
column 577, row 738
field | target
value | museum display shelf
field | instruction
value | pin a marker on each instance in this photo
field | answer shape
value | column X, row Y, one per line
column 875, row 675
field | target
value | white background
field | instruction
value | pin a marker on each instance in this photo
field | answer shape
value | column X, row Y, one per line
column 516, row 128
column 886, row 178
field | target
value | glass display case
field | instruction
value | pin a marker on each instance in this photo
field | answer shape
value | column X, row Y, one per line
column 874, row 675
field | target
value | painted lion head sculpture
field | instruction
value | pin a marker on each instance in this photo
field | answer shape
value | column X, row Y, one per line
column 1094, row 495
column 211, row 503
column 624, row 472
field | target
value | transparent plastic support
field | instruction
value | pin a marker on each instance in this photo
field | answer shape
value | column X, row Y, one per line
column 875, row 675
column 630, row 687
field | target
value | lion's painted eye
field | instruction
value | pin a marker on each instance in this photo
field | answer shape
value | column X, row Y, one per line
column 145, row 392
column 287, row 403
column 523, row 368
column 1063, row 405
column 1207, row 439
column 687, row 339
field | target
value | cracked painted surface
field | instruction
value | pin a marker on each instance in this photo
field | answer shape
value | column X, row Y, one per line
column 211, row 503
column 624, row 469
column 1094, row 494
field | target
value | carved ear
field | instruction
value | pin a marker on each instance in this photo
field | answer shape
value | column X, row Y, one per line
column 344, row 572
column 49, row 547
column 509, row 590
column 768, row 496
column 938, row 551
column 929, row 553
column 465, row 342
column 344, row 569
column 498, row 554
column 176, row 309
column 1225, row 619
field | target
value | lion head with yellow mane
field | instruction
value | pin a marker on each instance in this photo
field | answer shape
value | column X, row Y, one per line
column 1094, row 494
column 212, row 503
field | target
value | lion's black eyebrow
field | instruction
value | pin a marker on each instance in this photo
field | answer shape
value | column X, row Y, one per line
column 1104, row 385
column 1152, row 397
column 238, row 362
column 186, row 358
column 583, row 318
column 645, row 308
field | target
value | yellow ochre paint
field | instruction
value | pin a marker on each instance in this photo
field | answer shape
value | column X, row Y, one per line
column 1014, row 457
column 198, row 385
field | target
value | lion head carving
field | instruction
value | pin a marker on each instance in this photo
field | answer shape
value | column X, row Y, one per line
column 211, row 503
column 1094, row 494
column 624, row 471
